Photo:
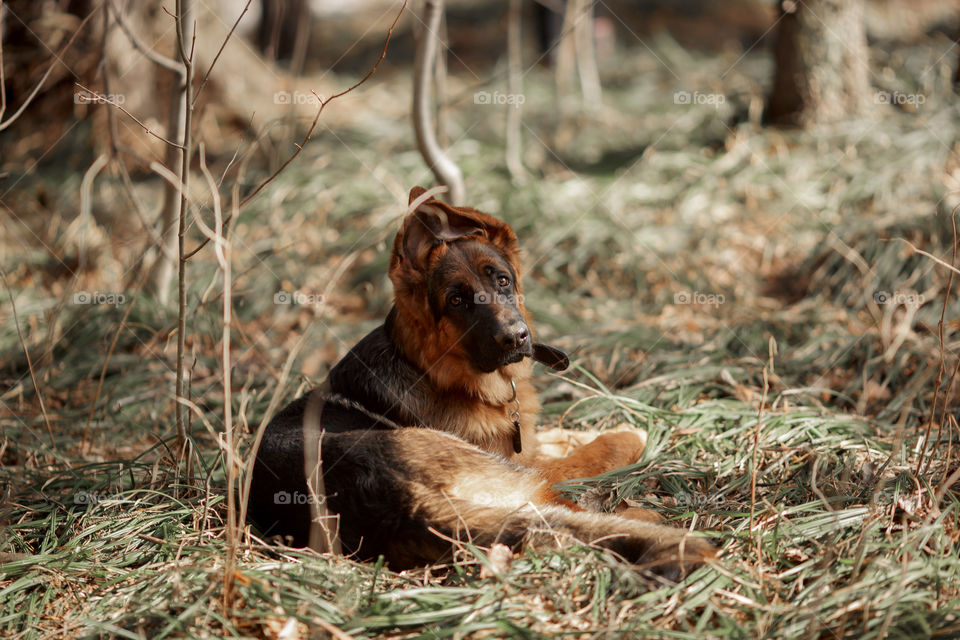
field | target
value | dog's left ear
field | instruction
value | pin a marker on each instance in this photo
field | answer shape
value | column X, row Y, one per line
column 435, row 222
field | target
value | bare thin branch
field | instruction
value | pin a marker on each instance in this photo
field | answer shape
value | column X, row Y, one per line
column 26, row 352
column 104, row 70
column 106, row 100
column 932, row 257
column 206, row 76
column 156, row 58
column 753, row 457
column 86, row 198
column 323, row 103
column 514, row 139
column 103, row 370
column 168, row 175
column 445, row 169
column 137, row 205
column 942, row 364
column 182, row 7
column 233, row 463
column 423, row 197
column 324, row 526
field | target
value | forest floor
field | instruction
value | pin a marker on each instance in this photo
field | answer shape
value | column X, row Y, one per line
column 748, row 296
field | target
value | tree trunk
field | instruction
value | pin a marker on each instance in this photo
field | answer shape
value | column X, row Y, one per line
column 283, row 24
column 956, row 73
column 821, row 63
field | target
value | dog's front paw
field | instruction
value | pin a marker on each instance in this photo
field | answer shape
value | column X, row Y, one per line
column 607, row 451
column 623, row 446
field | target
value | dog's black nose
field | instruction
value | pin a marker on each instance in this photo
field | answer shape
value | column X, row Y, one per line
column 514, row 337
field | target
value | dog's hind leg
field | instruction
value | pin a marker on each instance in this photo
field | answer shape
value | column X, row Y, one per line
column 463, row 493
column 664, row 550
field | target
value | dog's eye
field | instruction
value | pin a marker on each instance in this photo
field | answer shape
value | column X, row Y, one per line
column 503, row 281
column 455, row 300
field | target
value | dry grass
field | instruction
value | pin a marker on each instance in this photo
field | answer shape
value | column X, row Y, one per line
column 770, row 234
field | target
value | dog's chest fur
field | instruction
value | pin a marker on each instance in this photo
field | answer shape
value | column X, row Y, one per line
column 375, row 375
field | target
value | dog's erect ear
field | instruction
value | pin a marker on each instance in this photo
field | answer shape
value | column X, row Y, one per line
column 434, row 222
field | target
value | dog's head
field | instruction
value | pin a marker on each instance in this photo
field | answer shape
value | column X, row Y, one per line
column 456, row 278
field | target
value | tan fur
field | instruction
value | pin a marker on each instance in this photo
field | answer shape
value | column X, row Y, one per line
column 475, row 497
column 559, row 442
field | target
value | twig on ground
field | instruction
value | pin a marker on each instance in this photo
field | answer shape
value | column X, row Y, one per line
column 222, row 249
column 942, row 360
column 754, row 456
column 26, row 352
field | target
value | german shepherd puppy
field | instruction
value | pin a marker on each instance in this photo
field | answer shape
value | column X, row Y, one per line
column 424, row 432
